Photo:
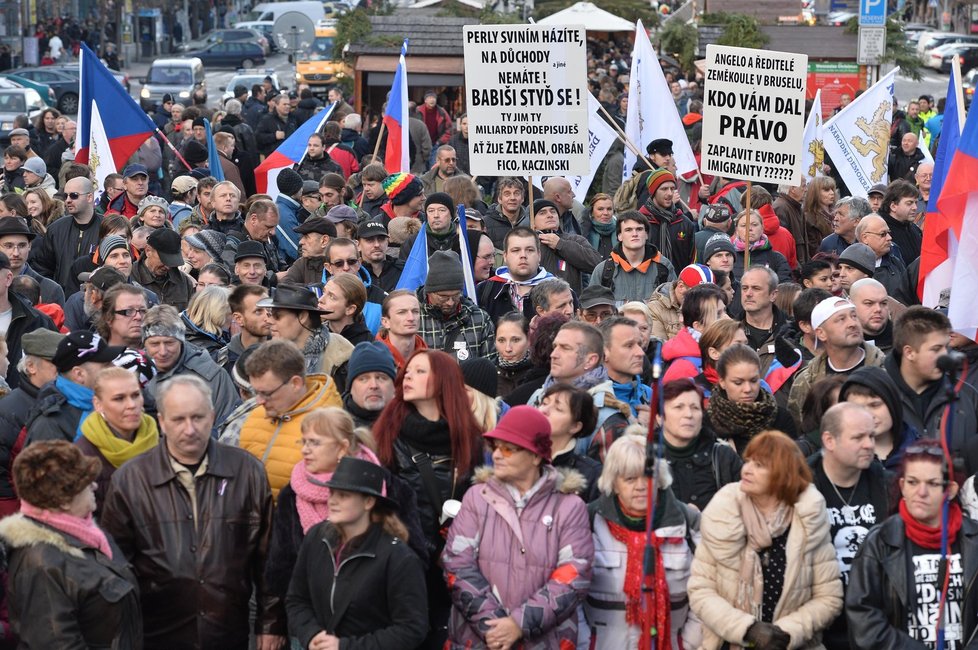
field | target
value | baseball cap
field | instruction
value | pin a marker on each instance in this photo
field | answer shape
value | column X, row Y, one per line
column 35, row 166
column 167, row 244
column 695, row 274
column 183, row 184
column 828, row 308
column 371, row 229
column 595, row 295
column 102, row 278
column 81, row 347
column 879, row 188
column 134, row 170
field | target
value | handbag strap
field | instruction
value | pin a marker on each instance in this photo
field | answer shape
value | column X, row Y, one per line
column 422, row 461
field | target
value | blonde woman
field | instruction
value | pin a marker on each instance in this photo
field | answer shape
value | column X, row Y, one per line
column 207, row 318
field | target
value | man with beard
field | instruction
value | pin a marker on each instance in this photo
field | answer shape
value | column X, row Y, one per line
column 254, row 322
column 670, row 229
column 373, row 241
column 636, row 267
column 370, row 383
column 317, row 162
column 873, row 311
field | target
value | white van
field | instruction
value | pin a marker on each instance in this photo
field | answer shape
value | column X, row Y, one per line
column 177, row 77
column 272, row 10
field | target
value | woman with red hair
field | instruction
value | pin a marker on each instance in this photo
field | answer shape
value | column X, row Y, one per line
column 765, row 573
column 427, row 435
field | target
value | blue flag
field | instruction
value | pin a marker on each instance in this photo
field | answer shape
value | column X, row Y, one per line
column 213, row 158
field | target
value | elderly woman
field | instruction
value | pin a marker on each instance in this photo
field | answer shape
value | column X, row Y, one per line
column 765, row 572
column 518, row 555
column 152, row 212
column 615, row 606
column 68, row 584
column 203, row 248
column 118, row 429
column 356, row 583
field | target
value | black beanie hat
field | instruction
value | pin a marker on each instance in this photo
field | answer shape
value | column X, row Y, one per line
column 440, row 198
column 199, row 122
column 444, row 272
column 195, row 152
column 289, row 182
column 369, row 356
column 480, row 374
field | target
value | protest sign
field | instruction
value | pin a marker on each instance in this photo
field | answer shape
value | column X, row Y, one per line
column 754, row 114
column 527, row 100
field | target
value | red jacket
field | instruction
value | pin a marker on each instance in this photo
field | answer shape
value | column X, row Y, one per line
column 344, row 158
column 443, row 128
column 675, row 351
column 781, row 238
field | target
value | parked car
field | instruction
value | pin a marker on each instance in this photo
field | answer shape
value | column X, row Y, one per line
column 840, row 18
column 64, row 85
column 940, row 58
column 13, row 81
column 968, row 82
column 224, row 36
column 74, row 70
column 264, row 27
column 14, row 102
column 248, row 79
column 230, row 54
column 930, row 40
column 913, row 31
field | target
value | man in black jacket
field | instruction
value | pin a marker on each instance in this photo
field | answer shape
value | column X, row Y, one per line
column 69, row 238
column 855, row 488
column 276, row 126
column 35, row 369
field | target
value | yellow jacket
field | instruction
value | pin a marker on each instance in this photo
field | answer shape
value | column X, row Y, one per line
column 275, row 441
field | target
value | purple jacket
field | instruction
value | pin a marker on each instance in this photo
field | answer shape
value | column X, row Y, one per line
column 533, row 564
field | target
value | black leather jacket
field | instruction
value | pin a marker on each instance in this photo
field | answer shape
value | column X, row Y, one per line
column 878, row 598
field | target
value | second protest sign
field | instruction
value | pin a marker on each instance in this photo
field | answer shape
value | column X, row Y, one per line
column 754, row 114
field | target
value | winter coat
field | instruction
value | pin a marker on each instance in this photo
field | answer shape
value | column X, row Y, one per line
column 48, row 184
column 892, row 274
column 533, row 564
column 313, row 169
column 327, row 353
column 682, row 353
column 63, row 593
column 634, row 284
column 197, row 567
column 573, row 258
column 51, row 291
column 498, row 224
column 374, row 599
column 355, row 142
column 23, row 319
column 667, row 318
column 586, row 466
column 780, row 237
column 305, row 271
column 699, row 475
column 818, row 369
column 678, row 528
column 907, row 236
column 790, row 215
column 444, row 126
column 265, row 132
column 390, row 274
column 15, row 407
column 64, row 241
column 765, row 256
column 52, row 417
column 880, row 591
column 175, row 288
column 904, row 166
column 812, row 594
column 193, row 360
column 433, row 182
column 468, row 333
column 672, row 232
column 275, row 441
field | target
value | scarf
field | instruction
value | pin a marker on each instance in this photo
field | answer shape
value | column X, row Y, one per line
column 601, row 230
column 741, row 421
column 311, row 493
column 85, row 529
column 589, row 379
column 760, row 535
column 116, row 450
column 636, row 612
column 929, row 537
column 761, row 244
column 503, row 274
column 78, row 396
column 522, row 364
column 632, row 393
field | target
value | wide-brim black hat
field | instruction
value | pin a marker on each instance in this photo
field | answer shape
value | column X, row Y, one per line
column 362, row 477
column 291, row 296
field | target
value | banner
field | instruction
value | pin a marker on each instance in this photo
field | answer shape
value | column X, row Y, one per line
column 812, row 150
column 526, row 93
column 754, row 114
column 652, row 112
column 858, row 138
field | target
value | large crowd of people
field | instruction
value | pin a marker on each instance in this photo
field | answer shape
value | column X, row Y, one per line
column 226, row 421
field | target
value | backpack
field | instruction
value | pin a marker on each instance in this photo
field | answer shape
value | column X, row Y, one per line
column 626, row 196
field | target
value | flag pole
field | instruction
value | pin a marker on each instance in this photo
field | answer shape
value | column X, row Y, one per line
column 530, row 206
column 174, row 149
column 747, row 232
column 380, row 136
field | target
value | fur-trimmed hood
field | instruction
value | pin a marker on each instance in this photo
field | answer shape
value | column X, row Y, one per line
column 565, row 479
column 18, row 531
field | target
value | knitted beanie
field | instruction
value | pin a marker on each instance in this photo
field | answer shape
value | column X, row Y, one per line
column 289, row 182
column 194, row 153
column 481, row 375
column 718, row 243
column 440, row 198
column 211, row 242
column 860, row 257
column 178, row 331
column 109, row 244
column 401, row 188
column 696, row 274
column 444, row 272
column 370, row 356
column 657, row 178
column 150, row 200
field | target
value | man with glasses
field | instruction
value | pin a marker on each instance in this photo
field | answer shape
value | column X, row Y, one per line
column 164, row 339
column 373, row 241
column 446, row 166
column 924, row 178
column 899, row 210
column 848, row 212
column 450, row 321
column 485, row 259
column 875, row 232
column 69, row 238
column 120, row 318
column 284, row 393
column 597, row 304
column 342, row 256
column 135, row 179
column 15, row 243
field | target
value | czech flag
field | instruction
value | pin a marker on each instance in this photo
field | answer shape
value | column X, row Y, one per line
column 291, row 152
column 397, row 156
column 107, row 144
column 213, row 158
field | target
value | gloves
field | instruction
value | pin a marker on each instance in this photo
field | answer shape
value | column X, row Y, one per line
column 765, row 636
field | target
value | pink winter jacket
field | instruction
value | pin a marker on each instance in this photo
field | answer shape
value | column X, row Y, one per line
column 533, row 565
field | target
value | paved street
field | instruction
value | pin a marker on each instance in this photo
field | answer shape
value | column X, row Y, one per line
column 932, row 83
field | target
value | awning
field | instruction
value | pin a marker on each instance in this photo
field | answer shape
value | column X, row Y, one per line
column 592, row 17
column 415, row 64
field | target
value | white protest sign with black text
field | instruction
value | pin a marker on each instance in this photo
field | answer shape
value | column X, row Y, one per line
column 527, row 100
column 754, row 114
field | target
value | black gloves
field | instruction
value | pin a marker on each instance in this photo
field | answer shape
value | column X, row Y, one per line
column 765, row 636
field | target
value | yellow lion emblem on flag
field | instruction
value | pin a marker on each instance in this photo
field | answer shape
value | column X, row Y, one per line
column 877, row 142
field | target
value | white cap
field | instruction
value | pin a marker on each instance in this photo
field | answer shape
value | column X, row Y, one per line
column 828, row 308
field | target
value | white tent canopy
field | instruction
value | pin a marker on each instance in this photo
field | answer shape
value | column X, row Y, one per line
column 592, row 17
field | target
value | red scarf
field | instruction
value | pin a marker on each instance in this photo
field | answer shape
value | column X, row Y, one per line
column 929, row 537
column 637, row 612
column 84, row 530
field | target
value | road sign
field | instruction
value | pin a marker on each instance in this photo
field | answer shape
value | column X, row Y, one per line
column 872, row 44
column 872, row 13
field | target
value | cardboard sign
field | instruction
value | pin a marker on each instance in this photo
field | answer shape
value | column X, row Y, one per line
column 527, row 100
column 754, row 114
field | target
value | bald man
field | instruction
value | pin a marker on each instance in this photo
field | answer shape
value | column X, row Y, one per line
column 891, row 272
column 68, row 239
column 558, row 189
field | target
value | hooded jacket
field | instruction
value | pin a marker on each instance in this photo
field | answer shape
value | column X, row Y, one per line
column 818, row 368
column 683, row 355
column 275, row 440
column 780, row 237
column 635, row 283
column 812, row 594
column 879, row 382
column 667, row 317
column 533, row 564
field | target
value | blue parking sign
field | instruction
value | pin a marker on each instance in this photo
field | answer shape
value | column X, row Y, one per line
column 872, row 12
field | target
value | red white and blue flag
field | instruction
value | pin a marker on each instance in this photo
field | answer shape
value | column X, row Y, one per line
column 107, row 144
column 958, row 204
column 291, row 152
column 397, row 156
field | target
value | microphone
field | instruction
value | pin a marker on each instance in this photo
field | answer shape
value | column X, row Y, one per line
column 951, row 362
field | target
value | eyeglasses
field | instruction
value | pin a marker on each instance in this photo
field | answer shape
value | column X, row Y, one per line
column 596, row 317
column 883, row 235
column 439, row 297
column 351, row 262
column 921, row 449
column 312, row 443
column 10, row 246
column 265, row 395
column 489, row 257
column 132, row 311
column 74, row 196
column 505, row 449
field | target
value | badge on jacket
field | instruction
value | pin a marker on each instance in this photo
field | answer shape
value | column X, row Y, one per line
column 461, row 350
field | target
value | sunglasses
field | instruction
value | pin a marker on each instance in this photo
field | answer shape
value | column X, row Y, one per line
column 505, row 449
column 345, row 263
column 74, row 196
column 920, row 449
